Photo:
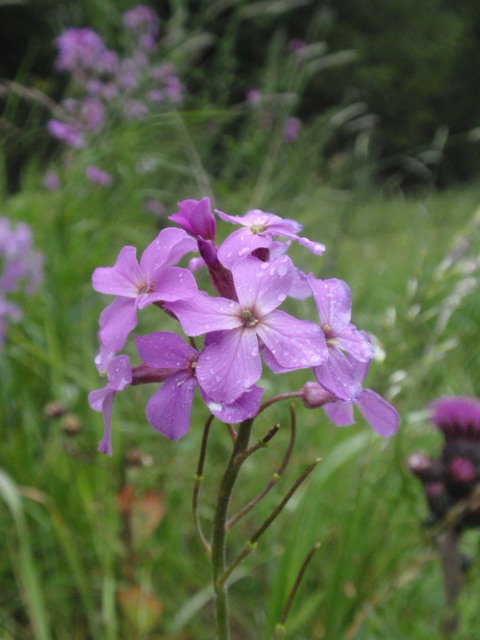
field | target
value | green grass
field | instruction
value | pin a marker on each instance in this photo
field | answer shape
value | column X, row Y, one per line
column 65, row 550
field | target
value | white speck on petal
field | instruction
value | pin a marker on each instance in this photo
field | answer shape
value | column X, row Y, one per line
column 214, row 406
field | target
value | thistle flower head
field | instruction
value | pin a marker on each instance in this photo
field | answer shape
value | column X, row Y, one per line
column 457, row 417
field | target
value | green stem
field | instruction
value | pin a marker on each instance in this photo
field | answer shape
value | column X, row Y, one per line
column 219, row 529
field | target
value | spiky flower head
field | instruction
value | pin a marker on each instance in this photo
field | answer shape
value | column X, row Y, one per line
column 457, row 417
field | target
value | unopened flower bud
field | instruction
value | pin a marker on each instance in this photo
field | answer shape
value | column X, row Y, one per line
column 314, row 395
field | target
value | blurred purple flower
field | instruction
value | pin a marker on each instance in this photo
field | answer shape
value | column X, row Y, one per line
column 51, row 181
column 292, row 129
column 68, row 133
column 98, row 176
column 79, row 49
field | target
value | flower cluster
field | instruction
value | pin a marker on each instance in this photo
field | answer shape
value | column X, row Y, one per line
column 21, row 269
column 451, row 480
column 242, row 325
column 110, row 87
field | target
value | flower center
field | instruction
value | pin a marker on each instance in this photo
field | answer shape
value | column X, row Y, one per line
column 329, row 334
column 257, row 228
column 144, row 288
column 248, row 319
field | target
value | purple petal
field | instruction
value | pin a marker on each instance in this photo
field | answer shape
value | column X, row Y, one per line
column 119, row 373
column 201, row 314
column 164, row 350
column 230, row 366
column 240, row 244
column 379, row 414
column 357, row 343
column 169, row 284
column 102, row 400
column 116, row 322
column 246, row 406
column 337, row 375
column 167, row 249
column 293, row 343
column 168, row 410
column 340, row 413
column 123, row 279
column 196, row 217
column 333, row 300
column 262, row 286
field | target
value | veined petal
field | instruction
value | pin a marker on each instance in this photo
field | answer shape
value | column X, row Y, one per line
column 116, row 322
column 246, row 406
column 333, row 300
column 294, row 343
column 168, row 410
column 340, row 413
column 167, row 249
column 123, row 279
column 169, row 284
column 355, row 342
column 337, row 375
column 262, row 286
column 163, row 349
column 228, row 367
column 379, row 414
column 201, row 314
column 240, row 244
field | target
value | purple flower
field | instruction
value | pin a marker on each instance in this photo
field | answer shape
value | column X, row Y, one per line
column 230, row 363
column 337, row 375
column 79, row 49
column 51, row 181
column 259, row 231
column 96, row 175
column 119, row 376
column 380, row 415
column 254, row 96
column 68, row 133
column 91, row 114
column 457, row 416
column 168, row 410
column 292, row 129
column 138, row 285
column 196, row 217
column 296, row 44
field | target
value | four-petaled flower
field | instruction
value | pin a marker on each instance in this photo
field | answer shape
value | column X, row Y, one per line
column 379, row 414
column 334, row 305
column 230, row 363
column 138, row 285
column 168, row 410
column 259, row 232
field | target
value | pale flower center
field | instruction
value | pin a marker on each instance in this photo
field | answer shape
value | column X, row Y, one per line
column 248, row 319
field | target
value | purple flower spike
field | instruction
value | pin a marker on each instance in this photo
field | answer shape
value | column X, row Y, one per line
column 196, row 217
column 334, row 306
column 119, row 376
column 259, row 231
column 230, row 363
column 138, row 285
column 168, row 410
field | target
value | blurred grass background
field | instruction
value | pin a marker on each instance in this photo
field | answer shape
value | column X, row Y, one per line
column 80, row 556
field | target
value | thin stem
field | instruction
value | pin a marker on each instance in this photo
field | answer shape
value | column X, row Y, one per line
column 280, row 627
column 278, row 398
column 219, row 530
column 258, row 445
column 453, row 577
column 198, row 480
column 252, row 542
column 275, row 477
